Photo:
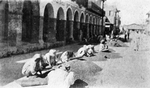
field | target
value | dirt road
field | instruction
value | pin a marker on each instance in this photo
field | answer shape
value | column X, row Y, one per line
column 131, row 70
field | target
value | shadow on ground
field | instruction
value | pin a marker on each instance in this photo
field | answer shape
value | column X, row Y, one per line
column 79, row 84
column 84, row 70
column 103, row 56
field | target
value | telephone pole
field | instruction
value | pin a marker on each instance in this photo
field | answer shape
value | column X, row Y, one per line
column 103, row 18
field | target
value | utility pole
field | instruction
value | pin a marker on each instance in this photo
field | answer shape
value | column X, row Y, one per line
column 115, row 22
column 103, row 18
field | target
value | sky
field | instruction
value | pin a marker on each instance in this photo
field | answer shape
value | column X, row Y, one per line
column 131, row 11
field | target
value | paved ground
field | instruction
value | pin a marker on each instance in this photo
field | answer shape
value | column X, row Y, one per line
column 125, row 68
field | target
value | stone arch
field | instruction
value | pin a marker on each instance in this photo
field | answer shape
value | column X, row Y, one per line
column 4, row 22
column 82, row 27
column 60, row 25
column 76, row 15
column 82, row 18
column 76, row 26
column 69, row 14
column 30, row 21
column 48, row 25
column 69, row 24
column 87, row 18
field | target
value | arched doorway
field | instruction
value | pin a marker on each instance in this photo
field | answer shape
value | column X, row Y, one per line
column 4, row 22
column 27, row 21
column 60, row 25
column 81, row 27
column 69, row 25
column 48, row 23
column 75, row 27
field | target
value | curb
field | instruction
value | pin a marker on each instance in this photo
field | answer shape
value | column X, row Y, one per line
column 24, row 49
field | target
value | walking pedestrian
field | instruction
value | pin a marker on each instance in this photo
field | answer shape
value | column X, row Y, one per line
column 137, row 42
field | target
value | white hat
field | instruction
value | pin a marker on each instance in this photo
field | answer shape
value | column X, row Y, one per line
column 36, row 56
column 52, row 51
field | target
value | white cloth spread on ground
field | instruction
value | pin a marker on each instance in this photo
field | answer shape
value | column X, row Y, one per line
column 60, row 78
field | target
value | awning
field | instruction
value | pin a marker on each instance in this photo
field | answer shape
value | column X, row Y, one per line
column 108, row 23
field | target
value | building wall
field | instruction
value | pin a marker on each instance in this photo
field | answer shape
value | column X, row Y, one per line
column 112, row 15
column 41, row 21
column 97, row 2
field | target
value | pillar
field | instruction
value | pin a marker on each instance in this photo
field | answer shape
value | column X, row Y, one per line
column 87, row 27
column 35, row 30
column 52, row 30
column 71, row 30
column 41, row 31
column 78, row 28
column 14, row 28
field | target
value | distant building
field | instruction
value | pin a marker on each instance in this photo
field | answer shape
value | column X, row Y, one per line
column 134, row 27
column 112, row 19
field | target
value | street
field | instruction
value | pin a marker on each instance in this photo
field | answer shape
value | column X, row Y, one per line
column 124, row 68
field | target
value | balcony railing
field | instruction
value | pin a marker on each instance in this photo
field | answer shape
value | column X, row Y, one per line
column 91, row 6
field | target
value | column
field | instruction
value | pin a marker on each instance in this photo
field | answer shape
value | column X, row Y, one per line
column 41, row 31
column 78, row 28
column 87, row 25
column 52, row 30
column 35, row 28
column 71, row 29
column 14, row 28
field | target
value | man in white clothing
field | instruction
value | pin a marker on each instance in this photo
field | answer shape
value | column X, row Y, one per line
column 60, row 78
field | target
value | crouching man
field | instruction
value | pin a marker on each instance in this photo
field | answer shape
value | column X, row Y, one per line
column 61, row 78
column 86, row 50
column 90, row 50
column 81, row 51
column 65, row 57
column 50, row 57
column 103, row 47
column 34, row 65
